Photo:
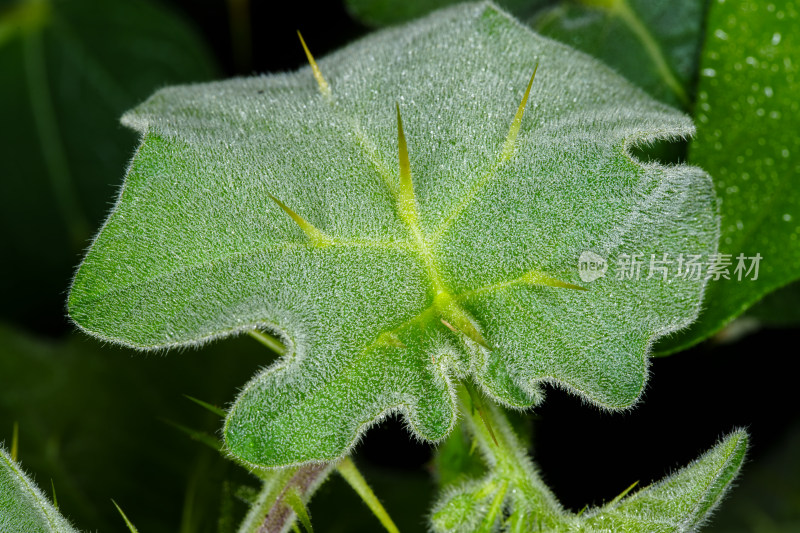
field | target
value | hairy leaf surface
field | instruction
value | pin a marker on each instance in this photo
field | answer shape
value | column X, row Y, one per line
column 23, row 507
column 281, row 203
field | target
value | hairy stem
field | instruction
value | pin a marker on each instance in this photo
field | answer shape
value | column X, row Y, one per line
column 271, row 513
column 507, row 458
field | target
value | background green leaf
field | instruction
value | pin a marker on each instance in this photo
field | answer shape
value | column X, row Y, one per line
column 748, row 116
column 653, row 44
column 778, row 308
column 197, row 249
column 70, row 68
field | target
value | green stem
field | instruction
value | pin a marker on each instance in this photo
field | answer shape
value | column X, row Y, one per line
column 274, row 483
column 350, row 473
column 623, row 10
column 507, row 458
column 239, row 25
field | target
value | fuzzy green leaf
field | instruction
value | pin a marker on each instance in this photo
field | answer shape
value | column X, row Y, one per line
column 383, row 13
column 748, row 118
column 23, row 506
column 766, row 498
column 269, row 202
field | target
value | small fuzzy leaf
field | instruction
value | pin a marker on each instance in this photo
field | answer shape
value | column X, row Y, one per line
column 395, row 237
column 23, row 506
column 681, row 502
column 462, row 508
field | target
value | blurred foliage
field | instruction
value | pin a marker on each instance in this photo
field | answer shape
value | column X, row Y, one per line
column 70, row 69
column 96, row 418
column 779, row 308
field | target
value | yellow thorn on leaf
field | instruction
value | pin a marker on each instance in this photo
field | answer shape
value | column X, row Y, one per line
column 406, row 192
column 316, row 236
column 467, row 328
column 623, row 493
column 391, row 339
column 458, row 321
column 511, row 138
column 449, row 325
column 537, row 278
column 324, row 88
column 405, row 164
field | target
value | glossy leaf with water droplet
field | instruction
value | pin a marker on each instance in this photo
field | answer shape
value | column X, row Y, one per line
column 267, row 202
column 748, row 116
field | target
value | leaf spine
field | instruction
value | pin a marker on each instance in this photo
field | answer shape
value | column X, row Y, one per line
column 316, row 236
column 324, row 88
column 510, row 144
column 537, row 278
column 406, row 192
